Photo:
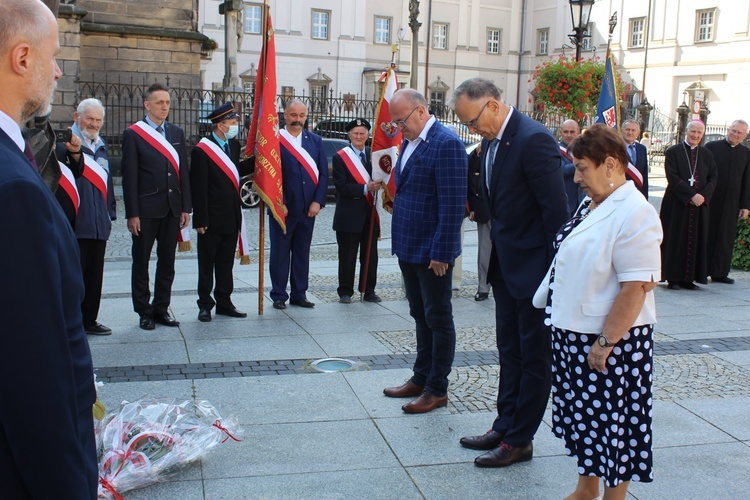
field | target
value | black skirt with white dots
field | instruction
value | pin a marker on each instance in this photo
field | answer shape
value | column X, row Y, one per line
column 605, row 418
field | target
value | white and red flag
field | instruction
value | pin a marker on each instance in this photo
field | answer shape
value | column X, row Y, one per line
column 386, row 139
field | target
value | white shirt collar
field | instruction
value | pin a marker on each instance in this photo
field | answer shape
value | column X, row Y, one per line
column 505, row 123
column 426, row 128
column 11, row 128
column 297, row 140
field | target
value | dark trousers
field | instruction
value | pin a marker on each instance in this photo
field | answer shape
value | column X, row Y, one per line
column 216, row 252
column 349, row 243
column 429, row 299
column 523, row 344
column 290, row 257
column 164, row 231
column 92, row 265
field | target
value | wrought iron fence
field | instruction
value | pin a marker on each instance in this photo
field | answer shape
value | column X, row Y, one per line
column 327, row 116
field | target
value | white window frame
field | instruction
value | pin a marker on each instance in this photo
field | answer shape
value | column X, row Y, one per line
column 542, row 45
column 705, row 25
column 637, row 32
column 494, row 36
column 248, row 19
column 381, row 35
column 440, row 36
column 320, row 30
column 586, row 45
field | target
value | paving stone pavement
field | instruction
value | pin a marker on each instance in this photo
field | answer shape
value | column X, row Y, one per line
column 334, row 435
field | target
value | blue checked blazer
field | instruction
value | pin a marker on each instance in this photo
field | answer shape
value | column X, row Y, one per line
column 430, row 199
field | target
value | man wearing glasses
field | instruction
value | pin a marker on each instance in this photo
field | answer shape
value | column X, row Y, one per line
column 731, row 199
column 431, row 175
column 521, row 177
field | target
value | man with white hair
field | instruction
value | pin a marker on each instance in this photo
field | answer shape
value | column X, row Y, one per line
column 96, row 210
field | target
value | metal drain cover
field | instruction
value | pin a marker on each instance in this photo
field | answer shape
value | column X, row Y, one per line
column 332, row 365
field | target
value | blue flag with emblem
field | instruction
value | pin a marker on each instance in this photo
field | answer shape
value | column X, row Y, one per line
column 607, row 110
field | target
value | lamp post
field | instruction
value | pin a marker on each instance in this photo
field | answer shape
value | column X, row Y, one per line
column 644, row 110
column 414, row 24
column 580, row 11
column 682, row 118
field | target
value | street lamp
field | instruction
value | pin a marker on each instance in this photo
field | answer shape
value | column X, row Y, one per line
column 580, row 11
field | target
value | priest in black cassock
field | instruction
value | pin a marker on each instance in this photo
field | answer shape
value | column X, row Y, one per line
column 731, row 199
column 691, row 180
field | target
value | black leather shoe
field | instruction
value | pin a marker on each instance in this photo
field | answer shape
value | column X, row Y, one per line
column 98, row 329
column 486, row 441
column 505, row 455
column 165, row 319
column 147, row 323
column 204, row 315
column 673, row 286
column 232, row 312
column 279, row 304
column 480, row 296
column 372, row 297
column 302, row 303
column 724, row 279
column 687, row 285
column 345, row 299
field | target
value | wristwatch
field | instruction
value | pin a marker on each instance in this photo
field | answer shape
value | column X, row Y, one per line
column 604, row 341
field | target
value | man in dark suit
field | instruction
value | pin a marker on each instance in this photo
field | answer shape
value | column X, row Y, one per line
column 428, row 210
column 215, row 172
column 46, row 373
column 638, row 154
column 156, row 191
column 569, row 130
column 522, row 179
column 353, row 218
column 304, row 168
column 479, row 212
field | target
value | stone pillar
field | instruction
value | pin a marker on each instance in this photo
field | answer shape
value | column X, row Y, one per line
column 69, row 60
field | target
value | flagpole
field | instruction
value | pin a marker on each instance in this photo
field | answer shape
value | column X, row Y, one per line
column 262, row 204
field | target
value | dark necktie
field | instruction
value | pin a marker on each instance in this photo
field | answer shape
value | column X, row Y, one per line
column 160, row 129
column 27, row 152
column 491, row 158
column 631, row 153
column 363, row 158
column 226, row 148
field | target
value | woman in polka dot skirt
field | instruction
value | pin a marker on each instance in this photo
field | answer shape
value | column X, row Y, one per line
column 598, row 295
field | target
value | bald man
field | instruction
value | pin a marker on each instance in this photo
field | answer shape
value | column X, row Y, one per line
column 46, row 373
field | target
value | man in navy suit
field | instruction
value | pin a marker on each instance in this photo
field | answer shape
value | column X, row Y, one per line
column 638, row 154
column 569, row 130
column 304, row 171
column 46, row 374
column 431, row 176
column 156, row 191
column 522, row 179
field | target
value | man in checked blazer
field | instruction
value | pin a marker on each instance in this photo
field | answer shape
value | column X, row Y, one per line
column 431, row 175
column 157, row 206
column 526, row 192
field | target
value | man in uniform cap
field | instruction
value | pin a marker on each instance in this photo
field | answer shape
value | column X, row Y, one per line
column 355, row 189
column 217, row 215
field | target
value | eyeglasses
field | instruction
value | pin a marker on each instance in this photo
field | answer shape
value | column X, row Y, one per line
column 402, row 123
column 473, row 123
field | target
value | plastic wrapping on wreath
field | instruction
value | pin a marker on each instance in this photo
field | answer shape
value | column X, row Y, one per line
column 144, row 440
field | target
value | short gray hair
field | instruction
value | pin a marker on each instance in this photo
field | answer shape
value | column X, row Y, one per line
column 630, row 120
column 90, row 102
column 474, row 89
column 20, row 20
column 412, row 96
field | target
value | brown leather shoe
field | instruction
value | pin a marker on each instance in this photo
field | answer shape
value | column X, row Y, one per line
column 408, row 390
column 484, row 442
column 505, row 455
column 425, row 403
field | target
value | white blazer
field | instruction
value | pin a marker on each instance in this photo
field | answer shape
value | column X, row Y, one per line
column 617, row 242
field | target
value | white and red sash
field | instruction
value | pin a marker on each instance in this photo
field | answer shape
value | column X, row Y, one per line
column 300, row 153
column 95, row 174
column 634, row 175
column 565, row 153
column 68, row 184
column 354, row 164
column 158, row 142
column 225, row 164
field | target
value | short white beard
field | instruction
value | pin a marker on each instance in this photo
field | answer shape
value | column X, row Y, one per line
column 88, row 135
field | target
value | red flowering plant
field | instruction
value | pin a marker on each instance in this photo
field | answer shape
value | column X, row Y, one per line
column 741, row 255
column 570, row 89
